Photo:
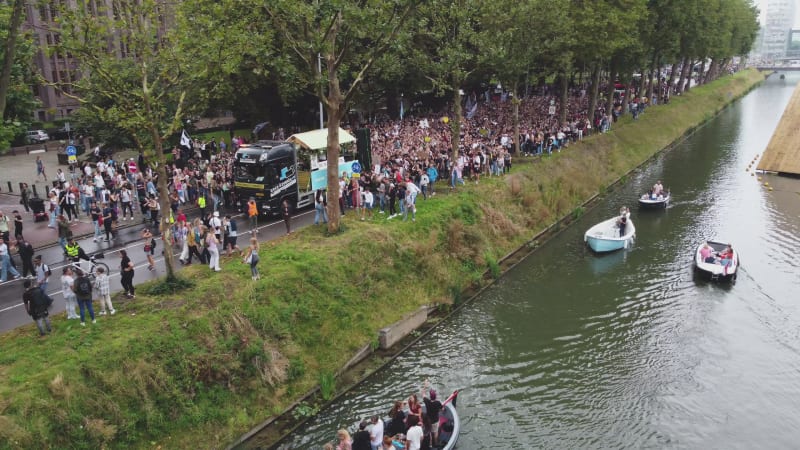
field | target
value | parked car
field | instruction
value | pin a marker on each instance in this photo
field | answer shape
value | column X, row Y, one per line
column 37, row 136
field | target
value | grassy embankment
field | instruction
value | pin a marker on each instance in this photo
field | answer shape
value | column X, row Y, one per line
column 200, row 368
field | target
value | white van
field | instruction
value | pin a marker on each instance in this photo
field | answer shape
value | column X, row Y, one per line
column 37, row 136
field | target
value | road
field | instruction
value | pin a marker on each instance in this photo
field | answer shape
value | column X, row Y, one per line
column 12, row 311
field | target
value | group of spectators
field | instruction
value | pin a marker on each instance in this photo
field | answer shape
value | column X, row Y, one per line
column 412, row 424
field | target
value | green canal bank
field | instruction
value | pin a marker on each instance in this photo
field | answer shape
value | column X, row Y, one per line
column 206, row 365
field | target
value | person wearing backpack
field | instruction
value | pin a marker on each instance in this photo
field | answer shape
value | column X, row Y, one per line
column 42, row 272
column 37, row 304
column 83, row 291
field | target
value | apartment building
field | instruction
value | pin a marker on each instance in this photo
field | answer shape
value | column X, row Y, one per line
column 62, row 69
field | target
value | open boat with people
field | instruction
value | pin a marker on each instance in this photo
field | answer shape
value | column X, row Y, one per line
column 613, row 234
column 716, row 260
column 449, row 423
column 648, row 201
column 401, row 419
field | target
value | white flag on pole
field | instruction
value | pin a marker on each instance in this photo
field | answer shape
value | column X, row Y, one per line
column 186, row 141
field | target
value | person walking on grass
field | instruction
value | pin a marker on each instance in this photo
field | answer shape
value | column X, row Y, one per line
column 231, row 234
column 213, row 249
column 83, row 291
column 67, row 282
column 126, row 270
column 103, row 292
column 37, row 305
column 251, row 258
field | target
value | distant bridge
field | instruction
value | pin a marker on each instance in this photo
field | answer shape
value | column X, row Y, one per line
column 780, row 68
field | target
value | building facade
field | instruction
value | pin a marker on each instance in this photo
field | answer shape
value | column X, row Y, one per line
column 777, row 29
column 58, row 70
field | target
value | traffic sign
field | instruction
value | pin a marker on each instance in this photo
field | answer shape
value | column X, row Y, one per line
column 356, row 168
column 71, row 150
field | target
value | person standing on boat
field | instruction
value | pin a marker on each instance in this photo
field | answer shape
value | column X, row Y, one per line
column 658, row 188
column 432, row 409
column 726, row 258
column 376, row 433
column 623, row 224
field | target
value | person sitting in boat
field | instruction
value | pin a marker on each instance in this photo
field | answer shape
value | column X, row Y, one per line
column 707, row 254
column 658, row 188
column 726, row 257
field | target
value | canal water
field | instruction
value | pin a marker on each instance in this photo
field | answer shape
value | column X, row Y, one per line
column 574, row 350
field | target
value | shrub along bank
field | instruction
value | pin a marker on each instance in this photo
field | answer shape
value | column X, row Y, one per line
column 201, row 367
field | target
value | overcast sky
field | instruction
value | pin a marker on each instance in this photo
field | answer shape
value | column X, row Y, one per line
column 762, row 6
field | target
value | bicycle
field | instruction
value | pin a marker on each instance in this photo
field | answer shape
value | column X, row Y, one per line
column 93, row 265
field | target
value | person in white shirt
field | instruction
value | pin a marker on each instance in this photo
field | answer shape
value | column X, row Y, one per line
column 67, row 281
column 414, row 433
column 376, row 433
column 368, row 203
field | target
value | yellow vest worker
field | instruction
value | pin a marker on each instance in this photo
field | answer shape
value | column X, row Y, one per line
column 73, row 250
column 201, row 202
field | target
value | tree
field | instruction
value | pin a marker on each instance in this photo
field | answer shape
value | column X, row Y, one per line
column 333, row 46
column 16, row 75
column 448, row 43
column 534, row 35
column 131, row 76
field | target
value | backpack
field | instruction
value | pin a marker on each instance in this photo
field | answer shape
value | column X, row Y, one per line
column 47, row 269
column 83, row 287
column 41, row 301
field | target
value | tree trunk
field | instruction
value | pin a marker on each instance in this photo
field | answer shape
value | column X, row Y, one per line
column 654, row 75
column 163, row 200
column 562, row 116
column 595, row 88
column 713, row 71
column 10, row 53
column 515, row 111
column 626, row 98
column 612, row 72
column 671, row 82
column 335, row 112
column 681, row 80
column 163, row 190
column 455, row 124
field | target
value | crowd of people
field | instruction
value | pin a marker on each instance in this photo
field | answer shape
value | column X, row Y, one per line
column 412, row 424
column 412, row 156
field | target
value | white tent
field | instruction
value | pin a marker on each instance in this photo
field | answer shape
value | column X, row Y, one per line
column 318, row 139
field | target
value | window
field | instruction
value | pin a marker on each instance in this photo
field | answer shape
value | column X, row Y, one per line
column 250, row 173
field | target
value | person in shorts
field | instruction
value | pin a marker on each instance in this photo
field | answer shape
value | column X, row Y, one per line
column 149, row 248
column 369, row 199
column 231, row 233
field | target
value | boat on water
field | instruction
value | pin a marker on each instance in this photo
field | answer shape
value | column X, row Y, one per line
column 647, row 201
column 716, row 260
column 449, row 423
column 606, row 237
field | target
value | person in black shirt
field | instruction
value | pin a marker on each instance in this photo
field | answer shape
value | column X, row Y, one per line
column 361, row 438
column 37, row 304
column 432, row 408
column 25, row 250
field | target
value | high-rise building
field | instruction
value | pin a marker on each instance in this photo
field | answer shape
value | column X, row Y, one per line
column 55, row 68
column 777, row 28
column 61, row 69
